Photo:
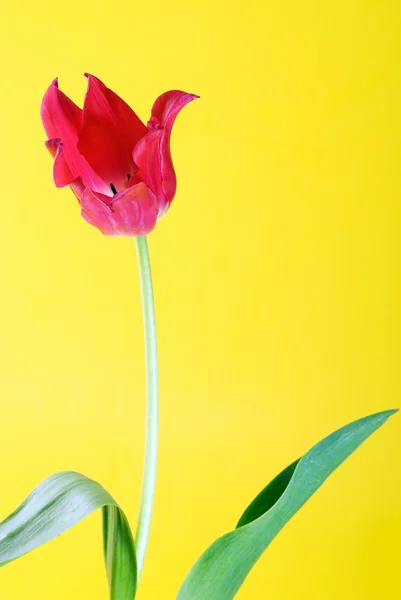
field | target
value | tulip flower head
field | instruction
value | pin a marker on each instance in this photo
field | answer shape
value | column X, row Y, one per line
column 120, row 169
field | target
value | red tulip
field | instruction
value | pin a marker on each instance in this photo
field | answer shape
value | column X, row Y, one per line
column 120, row 170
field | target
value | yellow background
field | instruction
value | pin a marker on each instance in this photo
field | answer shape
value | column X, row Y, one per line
column 276, row 275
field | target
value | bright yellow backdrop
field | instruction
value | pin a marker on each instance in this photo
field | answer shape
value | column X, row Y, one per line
column 276, row 275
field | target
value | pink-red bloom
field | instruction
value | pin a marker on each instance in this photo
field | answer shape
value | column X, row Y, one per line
column 120, row 169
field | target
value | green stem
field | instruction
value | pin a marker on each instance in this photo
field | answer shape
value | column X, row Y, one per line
column 152, row 405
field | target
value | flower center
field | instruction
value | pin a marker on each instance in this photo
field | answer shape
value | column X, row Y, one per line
column 113, row 187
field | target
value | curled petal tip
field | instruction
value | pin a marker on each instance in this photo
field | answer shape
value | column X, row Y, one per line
column 53, row 145
column 55, row 82
column 93, row 78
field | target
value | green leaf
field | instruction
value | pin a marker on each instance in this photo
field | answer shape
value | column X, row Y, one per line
column 221, row 570
column 57, row 504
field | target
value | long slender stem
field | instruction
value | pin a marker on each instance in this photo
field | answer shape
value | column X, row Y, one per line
column 152, row 404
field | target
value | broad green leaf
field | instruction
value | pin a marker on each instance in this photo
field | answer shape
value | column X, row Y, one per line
column 221, row 570
column 57, row 504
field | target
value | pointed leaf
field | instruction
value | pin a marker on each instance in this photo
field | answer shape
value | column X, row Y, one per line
column 221, row 570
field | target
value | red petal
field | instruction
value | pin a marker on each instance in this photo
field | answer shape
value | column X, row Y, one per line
column 132, row 212
column 62, row 175
column 165, row 111
column 110, row 131
column 152, row 153
column 61, row 117
column 62, row 120
column 147, row 157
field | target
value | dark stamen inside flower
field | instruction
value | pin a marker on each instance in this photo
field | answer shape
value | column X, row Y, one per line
column 113, row 189
column 128, row 176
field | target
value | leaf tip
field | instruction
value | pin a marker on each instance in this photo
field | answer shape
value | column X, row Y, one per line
column 386, row 414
